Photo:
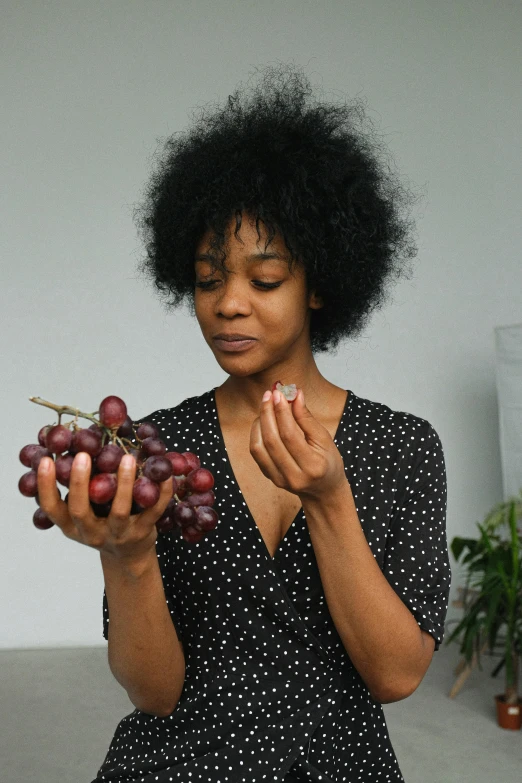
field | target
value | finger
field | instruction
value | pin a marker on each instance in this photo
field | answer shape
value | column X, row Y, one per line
column 280, row 452
column 78, row 501
column 291, row 433
column 49, row 497
column 259, row 452
column 122, row 502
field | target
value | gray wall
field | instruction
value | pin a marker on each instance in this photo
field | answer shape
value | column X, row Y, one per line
column 87, row 88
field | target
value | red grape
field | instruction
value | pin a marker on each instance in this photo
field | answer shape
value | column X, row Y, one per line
column 27, row 453
column 184, row 514
column 37, row 456
column 28, row 484
column 200, row 479
column 58, row 439
column 109, row 458
column 153, row 447
column 201, row 498
column 112, row 412
column 192, row 535
column 145, row 492
column 206, row 518
column 63, row 466
column 147, row 430
column 87, row 440
column 102, row 487
column 157, row 469
column 101, row 509
column 180, row 466
column 193, row 460
column 41, row 520
column 126, row 431
column 42, row 433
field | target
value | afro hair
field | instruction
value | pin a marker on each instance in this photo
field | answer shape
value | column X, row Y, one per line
column 316, row 173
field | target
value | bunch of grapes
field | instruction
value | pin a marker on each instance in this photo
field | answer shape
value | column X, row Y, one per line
column 106, row 440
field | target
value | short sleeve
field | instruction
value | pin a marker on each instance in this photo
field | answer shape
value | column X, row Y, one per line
column 416, row 561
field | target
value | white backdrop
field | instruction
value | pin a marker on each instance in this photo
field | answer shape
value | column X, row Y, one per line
column 88, row 88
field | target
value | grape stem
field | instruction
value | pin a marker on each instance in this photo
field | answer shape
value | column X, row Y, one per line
column 62, row 410
column 65, row 409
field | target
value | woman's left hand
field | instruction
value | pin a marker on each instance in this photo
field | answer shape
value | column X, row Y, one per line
column 294, row 450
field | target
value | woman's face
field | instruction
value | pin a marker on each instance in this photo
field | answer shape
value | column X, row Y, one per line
column 235, row 301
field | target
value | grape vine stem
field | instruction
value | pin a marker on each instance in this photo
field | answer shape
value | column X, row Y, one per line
column 65, row 409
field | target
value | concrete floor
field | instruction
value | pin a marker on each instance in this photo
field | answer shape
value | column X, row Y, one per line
column 60, row 709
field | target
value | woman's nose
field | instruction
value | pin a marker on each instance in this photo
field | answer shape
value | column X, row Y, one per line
column 232, row 297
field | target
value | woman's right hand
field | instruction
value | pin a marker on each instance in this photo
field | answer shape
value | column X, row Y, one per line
column 126, row 538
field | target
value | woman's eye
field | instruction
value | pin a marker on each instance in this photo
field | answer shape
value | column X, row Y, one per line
column 205, row 285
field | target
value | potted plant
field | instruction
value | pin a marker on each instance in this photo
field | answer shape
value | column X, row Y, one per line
column 493, row 568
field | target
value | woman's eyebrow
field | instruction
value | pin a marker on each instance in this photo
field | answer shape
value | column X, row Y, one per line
column 252, row 257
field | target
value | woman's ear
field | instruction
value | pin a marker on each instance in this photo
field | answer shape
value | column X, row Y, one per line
column 315, row 302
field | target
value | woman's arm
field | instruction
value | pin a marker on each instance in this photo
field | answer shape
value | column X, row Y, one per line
column 379, row 633
column 145, row 655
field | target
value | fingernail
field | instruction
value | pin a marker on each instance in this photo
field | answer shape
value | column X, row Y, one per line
column 277, row 396
column 81, row 460
column 45, row 465
column 127, row 461
column 267, row 395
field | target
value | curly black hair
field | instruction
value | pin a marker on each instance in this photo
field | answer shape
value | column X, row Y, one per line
column 316, row 173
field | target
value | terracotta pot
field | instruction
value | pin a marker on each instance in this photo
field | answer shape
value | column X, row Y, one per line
column 509, row 716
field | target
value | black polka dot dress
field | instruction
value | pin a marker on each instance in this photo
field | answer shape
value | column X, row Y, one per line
column 270, row 693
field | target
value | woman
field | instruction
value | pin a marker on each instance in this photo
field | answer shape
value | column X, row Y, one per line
column 265, row 651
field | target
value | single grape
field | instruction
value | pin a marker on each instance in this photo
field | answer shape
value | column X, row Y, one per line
column 58, row 439
column 112, row 412
column 63, row 466
column 157, row 469
column 289, row 390
column 109, row 458
column 184, row 514
column 147, row 430
column 165, row 524
column 41, row 520
column 86, row 440
column 42, row 433
column 145, row 492
column 200, row 479
column 180, row 466
column 193, row 460
column 27, row 453
column 153, row 447
column 37, row 457
column 28, row 484
column 201, row 498
column 101, row 509
column 207, row 518
column 126, row 431
column 102, row 487
column 136, row 508
column 192, row 535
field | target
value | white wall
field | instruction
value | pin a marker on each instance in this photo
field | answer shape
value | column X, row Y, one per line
column 87, row 88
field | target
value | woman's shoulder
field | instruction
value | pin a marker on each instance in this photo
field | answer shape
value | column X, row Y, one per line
column 378, row 418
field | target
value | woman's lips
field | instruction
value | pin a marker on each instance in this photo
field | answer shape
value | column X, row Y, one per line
column 234, row 345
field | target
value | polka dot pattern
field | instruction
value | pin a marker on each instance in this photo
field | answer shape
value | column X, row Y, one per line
column 270, row 693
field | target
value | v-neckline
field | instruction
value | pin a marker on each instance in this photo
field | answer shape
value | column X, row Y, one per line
column 221, row 441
